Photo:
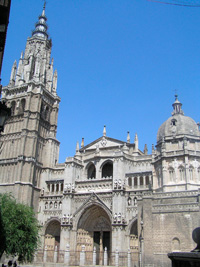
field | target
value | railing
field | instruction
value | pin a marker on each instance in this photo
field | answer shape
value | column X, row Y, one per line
column 86, row 258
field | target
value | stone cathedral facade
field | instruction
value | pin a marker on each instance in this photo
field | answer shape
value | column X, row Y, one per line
column 110, row 194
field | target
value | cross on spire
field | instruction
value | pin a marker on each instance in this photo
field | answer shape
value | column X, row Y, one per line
column 45, row 2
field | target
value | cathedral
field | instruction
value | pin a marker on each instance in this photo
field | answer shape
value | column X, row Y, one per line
column 110, row 196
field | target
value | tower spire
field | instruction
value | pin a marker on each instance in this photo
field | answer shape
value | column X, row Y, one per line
column 41, row 25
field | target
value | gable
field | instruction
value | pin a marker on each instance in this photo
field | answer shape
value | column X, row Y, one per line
column 102, row 143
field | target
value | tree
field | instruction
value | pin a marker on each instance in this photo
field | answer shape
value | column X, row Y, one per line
column 19, row 229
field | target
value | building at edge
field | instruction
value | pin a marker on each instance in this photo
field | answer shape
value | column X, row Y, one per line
column 110, row 194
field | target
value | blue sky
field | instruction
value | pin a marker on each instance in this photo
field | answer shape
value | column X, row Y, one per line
column 119, row 63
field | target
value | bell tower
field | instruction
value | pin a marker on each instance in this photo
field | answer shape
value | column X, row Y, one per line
column 28, row 143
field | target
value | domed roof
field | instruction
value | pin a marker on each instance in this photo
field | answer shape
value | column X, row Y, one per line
column 178, row 124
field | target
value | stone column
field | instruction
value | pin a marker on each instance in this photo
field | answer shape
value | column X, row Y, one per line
column 94, row 258
column 138, row 181
column 67, row 255
column 45, row 254
column 55, row 256
column 82, row 256
column 129, row 258
column 117, row 258
column 59, row 188
column 144, row 181
column 105, row 262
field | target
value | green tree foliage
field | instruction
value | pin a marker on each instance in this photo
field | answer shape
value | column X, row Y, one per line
column 19, row 229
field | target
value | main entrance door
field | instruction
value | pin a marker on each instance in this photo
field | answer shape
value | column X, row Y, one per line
column 96, row 228
column 101, row 241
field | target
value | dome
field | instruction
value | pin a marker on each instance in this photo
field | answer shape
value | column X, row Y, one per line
column 178, row 124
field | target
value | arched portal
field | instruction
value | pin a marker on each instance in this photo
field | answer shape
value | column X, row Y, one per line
column 134, row 237
column 94, row 230
column 52, row 235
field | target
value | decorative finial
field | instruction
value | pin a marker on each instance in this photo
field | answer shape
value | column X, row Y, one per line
column 82, row 143
column 45, row 2
column 77, row 146
column 104, row 130
column 145, row 149
column 128, row 137
column 153, row 149
column 136, row 142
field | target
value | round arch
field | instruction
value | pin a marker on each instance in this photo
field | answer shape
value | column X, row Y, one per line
column 91, row 170
column 107, row 169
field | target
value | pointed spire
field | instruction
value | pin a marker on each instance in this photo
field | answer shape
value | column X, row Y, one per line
column 177, row 107
column 44, row 6
column 104, row 130
column 13, row 73
column 82, row 143
column 145, row 149
column 77, row 146
column 136, row 142
column 128, row 138
column 41, row 25
column 78, row 154
column 152, row 148
column 19, row 69
column 55, row 77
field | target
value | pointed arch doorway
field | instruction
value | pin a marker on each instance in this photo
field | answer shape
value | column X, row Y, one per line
column 94, row 230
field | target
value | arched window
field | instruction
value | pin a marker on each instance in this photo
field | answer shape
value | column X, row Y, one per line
column 61, row 187
column 91, row 171
column 135, row 201
column 107, row 170
column 141, row 181
column 46, row 205
column 130, row 182
column 191, row 170
column 57, row 187
column 175, row 244
column 182, row 173
column 135, row 182
column 22, row 106
column 173, row 122
column 147, row 180
column 171, row 174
